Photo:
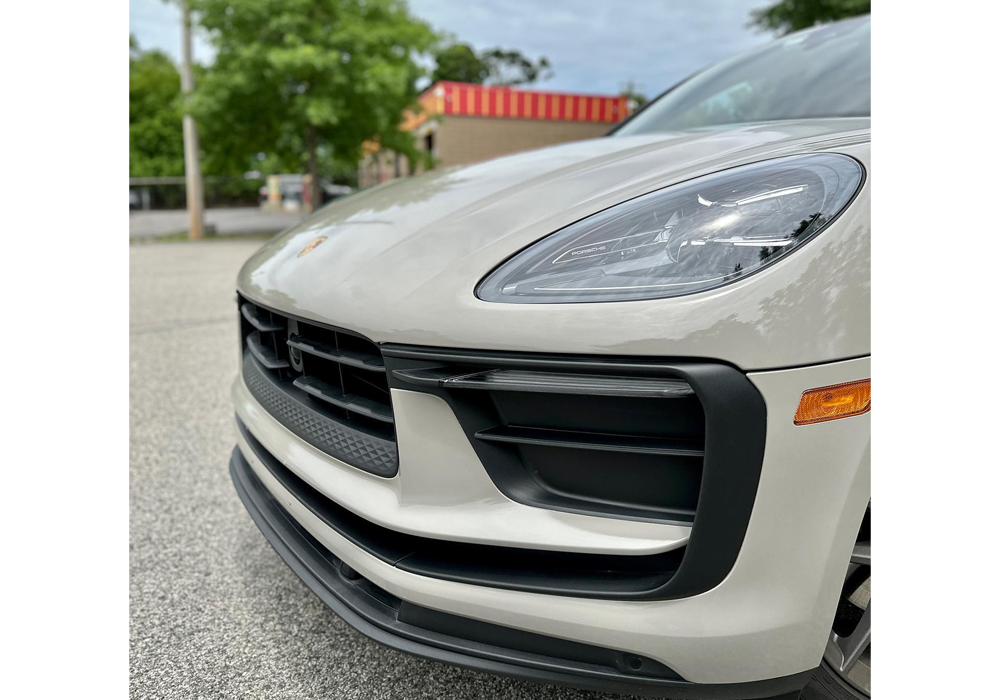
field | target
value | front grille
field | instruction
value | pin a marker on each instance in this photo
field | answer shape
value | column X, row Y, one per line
column 663, row 440
column 673, row 441
column 602, row 440
column 327, row 385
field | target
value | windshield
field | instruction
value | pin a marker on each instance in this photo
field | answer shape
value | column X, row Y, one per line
column 821, row 72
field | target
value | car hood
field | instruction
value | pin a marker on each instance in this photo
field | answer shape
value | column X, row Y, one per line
column 400, row 262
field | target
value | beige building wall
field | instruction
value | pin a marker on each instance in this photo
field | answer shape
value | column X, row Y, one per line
column 461, row 140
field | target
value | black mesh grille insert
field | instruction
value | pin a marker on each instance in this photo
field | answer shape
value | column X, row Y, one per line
column 326, row 385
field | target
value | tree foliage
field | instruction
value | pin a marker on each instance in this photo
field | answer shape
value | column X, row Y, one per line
column 630, row 91
column 299, row 81
column 155, row 140
column 491, row 67
column 459, row 62
column 791, row 15
column 513, row 68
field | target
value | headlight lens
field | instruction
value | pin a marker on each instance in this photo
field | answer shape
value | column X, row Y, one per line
column 686, row 238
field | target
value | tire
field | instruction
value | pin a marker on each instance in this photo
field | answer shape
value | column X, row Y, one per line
column 845, row 673
column 827, row 685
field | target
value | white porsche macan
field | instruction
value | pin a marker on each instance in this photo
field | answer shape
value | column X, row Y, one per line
column 596, row 414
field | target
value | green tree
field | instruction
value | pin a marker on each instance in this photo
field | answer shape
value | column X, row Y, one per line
column 307, row 80
column 630, row 91
column 513, row 68
column 155, row 140
column 791, row 15
column 492, row 67
column 459, row 62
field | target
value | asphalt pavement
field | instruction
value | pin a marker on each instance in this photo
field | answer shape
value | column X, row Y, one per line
column 226, row 222
column 214, row 613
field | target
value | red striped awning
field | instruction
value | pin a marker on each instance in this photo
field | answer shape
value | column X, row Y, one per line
column 471, row 100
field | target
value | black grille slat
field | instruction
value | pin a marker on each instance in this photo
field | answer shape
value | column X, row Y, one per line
column 326, row 385
column 591, row 441
column 335, row 395
column 351, row 358
column 259, row 319
column 264, row 354
column 548, row 382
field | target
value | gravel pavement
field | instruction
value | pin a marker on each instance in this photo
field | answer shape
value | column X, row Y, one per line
column 214, row 613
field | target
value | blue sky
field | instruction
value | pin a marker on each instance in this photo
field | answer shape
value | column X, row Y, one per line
column 593, row 45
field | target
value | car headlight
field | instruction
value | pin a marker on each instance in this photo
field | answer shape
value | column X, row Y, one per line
column 686, row 238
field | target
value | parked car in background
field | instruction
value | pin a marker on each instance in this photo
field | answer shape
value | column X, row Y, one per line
column 596, row 414
column 290, row 189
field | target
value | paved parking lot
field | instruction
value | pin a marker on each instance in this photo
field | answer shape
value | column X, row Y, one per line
column 214, row 613
column 226, row 222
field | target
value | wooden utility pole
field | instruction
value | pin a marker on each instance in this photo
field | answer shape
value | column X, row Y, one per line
column 314, row 191
column 192, row 159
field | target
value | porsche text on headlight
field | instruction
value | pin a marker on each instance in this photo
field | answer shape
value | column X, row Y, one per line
column 686, row 238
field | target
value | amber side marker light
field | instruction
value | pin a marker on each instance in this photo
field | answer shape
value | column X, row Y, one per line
column 832, row 402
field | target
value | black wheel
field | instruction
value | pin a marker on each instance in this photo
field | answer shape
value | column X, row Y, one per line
column 846, row 671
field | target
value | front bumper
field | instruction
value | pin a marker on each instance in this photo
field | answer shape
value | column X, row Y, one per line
column 769, row 619
column 461, row 641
